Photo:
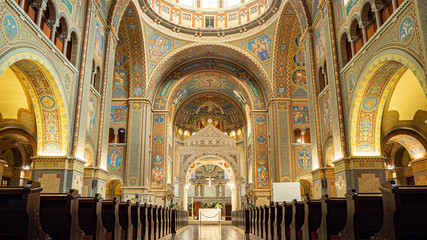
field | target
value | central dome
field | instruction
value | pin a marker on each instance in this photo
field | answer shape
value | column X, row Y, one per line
column 214, row 16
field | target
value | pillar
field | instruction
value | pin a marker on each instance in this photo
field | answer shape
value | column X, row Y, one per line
column 58, row 174
column 41, row 6
column 66, row 38
column 364, row 174
column 364, row 32
column 378, row 17
column 55, row 24
column 2, row 165
column 395, row 4
column 21, row 3
column 419, row 168
column 94, row 181
column 353, row 47
column 324, row 182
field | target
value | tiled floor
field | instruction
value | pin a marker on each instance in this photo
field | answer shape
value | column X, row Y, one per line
column 210, row 232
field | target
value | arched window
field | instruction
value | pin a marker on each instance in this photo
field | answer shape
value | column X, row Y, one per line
column 111, row 136
column 323, row 81
column 297, row 136
column 307, row 138
column 96, row 77
column 61, row 34
column 368, row 20
column 346, row 53
column 122, row 135
column 48, row 20
column 356, row 35
column 71, row 52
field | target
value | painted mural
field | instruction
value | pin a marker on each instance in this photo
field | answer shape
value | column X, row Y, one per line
column 114, row 159
column 118, row 115
column 300, row 115
column 99, row 41
column 158, row 46
column 262, row 174
column 319, row 45
column 91, row 116
column 260, row 46
column 304, row 159
column 157, row 176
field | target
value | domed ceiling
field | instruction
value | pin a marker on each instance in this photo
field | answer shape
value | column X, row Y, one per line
column 195, row 112
column 210, row 17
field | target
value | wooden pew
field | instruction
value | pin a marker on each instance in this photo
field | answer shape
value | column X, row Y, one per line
column 143, row 220
column 154, row 223
column 149, row 221
column 168, row 219
column 364, row 215
column 270, row 221
column 136, row 221
column 405, row 212
column 90, row 219
column 286, row 221
column 256, row 225
column 261, row 222
column 297, row 220
column 19, row 212
column 312, row 218
column 110, row 219
column 160, row 221
column 266, row 222
column 277, row 231
column 59, row 215
column 334, row 215
column 125, row 212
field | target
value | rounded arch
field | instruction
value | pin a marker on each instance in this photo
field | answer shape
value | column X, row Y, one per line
column 375, row 83
column 14, row 136
column 200, row 50
column 414, row 143
column 117, row 11
column 50, row 106
column 52, row 9
column 113, row 187
column 219, row 164
column 196, row 157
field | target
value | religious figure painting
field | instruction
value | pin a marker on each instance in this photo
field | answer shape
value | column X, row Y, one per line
column 118, row 114
column 300, row 115
column 157, row 176
column 319, row 44
column 327, row 121
column 260, row 46
column 90, row 116
column 262, row 173
column 158, row 46
column 99, row 41
column 114, row 159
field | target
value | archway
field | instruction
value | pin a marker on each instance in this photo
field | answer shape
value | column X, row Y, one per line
column 43, row 89
column 113, row 189
column 372, row 91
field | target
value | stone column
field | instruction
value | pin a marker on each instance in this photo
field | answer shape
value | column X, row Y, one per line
column 419, row 168
column 395, row 4
column 378, row 17
column 66, row 38
column 2, row 165
column 41, row 6
column 324, row 182
column 364, row 174
column 94, row 181
column 22, row 3
column 364, row 32
column 185, row 198
column 58, row 174
column 353, row 47
column 55, row 24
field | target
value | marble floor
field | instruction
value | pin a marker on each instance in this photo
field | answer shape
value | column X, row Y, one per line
column 210, row 232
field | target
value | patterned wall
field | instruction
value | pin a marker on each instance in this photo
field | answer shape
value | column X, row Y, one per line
column 260, row 142
column 159, row 154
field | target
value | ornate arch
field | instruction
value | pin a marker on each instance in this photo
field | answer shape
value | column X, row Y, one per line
column 370, row 96
column 224, row 51
column 190, row 170
column 48, row 97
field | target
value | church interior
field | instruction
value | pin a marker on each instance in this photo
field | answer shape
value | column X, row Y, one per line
column 178, row 106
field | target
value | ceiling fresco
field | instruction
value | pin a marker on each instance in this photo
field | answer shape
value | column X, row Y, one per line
column 195, row 112
column 209, row 74
column 240, row 59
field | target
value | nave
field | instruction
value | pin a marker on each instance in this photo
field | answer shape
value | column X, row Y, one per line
column 210, row 232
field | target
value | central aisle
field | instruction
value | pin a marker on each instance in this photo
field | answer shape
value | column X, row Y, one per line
column 210, row 232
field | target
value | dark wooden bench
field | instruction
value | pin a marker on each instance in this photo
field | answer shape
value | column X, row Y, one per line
column 19, row 212
column 364, row 215
column 90, row 218
column 125, row 212
column 136, row 221
column 277, row 230
column 405, row 212
column 143, row 220
column 312, row 218
column 297, row 220
column 270, row 221
column 261, row 222
column 154, row 224
column 59, row 215
column 266, row 222
column 110, row 219
column 334, row 215
column 286, row 221
column 256, row 222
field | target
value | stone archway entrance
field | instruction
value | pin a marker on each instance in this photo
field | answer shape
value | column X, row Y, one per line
column 210, row 146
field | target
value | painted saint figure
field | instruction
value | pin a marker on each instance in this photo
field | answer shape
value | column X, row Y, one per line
column 261, row 47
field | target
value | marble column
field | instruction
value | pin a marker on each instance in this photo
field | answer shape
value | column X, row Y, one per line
column 66, row 38
column 353, row 47
column 364, row 174
column 58, row 174
column 364, row 32
column 55, row 24
column 378, row 16
column 41, row 6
